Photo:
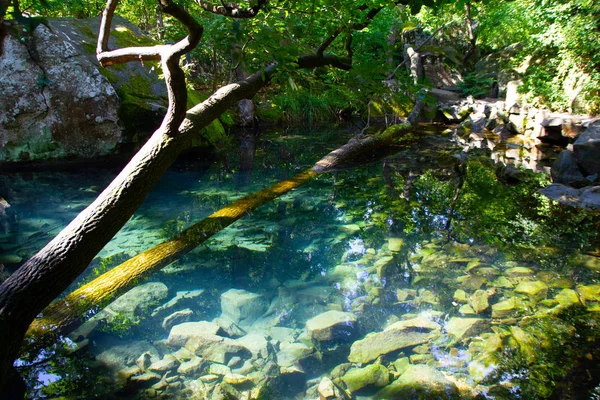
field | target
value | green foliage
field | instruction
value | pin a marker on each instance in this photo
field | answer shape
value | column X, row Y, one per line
column 476, row 85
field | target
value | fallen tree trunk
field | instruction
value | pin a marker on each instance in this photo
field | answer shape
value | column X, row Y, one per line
column 66, row 314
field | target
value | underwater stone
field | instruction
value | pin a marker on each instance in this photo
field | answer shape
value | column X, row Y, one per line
column 395, row 337
column 125, row 374
column 315, row 294
column 589, row 292
column 242, row 307
column 166, row 364
column 459, row 328
column 471, row 282
column 329, row 391
column 117, row 357
column 505, row 308
column 177, row 317
column 518, row 272
column 536, row 290
column 230, row 328
column 420, row 382
column 331, row 325
column 460, row 296
column 567, row 298
column 400, row 365
column 256, row 343
column 290, row 353
column 350, row 228
column 181, row 333
column 179, row 298
column 502, row 282
column 145, row 360
column 235, row 379
column 192, row 367
column 137, row 300
column 479, row 300
column 219, row 369
column 282, row 334
column 146, row 379
column 216, row 348
column 527, row 343
column 386, row 267
column 372, row 375
column 209, row 378
column 395, row 244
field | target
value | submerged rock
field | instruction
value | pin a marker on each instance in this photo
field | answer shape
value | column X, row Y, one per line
column 330, row 391
column 332, row 325
column 536, row 290
column 479, row 300
column 420, row 382
column 138, row 300
column 216, row 348
column 372, row 375
column 395, row 337
column 256, row 343
column 181, row 333
column 243, row 307
column 177, row 317
column 459, row 328
column 290, row 353
column 187, row 296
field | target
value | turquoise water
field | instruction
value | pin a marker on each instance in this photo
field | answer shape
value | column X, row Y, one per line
column 423, row 274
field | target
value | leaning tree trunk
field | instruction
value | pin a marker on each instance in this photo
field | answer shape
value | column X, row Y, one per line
column 66, row 314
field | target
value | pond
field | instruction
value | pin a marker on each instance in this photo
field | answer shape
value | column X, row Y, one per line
column 425, row 273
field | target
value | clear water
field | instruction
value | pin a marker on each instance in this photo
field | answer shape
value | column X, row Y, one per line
column 507, row 278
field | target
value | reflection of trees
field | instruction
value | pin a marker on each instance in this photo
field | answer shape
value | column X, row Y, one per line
column 426, row 192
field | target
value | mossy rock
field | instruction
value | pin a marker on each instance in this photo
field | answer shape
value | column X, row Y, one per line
column 420, row 382
column 372, row 375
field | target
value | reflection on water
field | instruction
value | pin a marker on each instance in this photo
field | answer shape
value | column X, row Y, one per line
column 430, row 274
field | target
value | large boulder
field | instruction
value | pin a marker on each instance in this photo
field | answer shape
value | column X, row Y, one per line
column 586, row 149
column 587, row 197
column 565, row 170
column 58, row 102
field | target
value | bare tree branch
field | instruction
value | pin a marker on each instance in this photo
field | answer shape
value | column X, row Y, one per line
column 232, row 10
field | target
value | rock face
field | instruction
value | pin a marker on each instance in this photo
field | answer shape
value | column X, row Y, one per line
column 60, row 102
column 395, row 337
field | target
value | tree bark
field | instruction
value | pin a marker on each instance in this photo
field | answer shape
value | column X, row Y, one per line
column 471, row 34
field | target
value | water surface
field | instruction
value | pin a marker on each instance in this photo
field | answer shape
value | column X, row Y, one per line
column 505, row 279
